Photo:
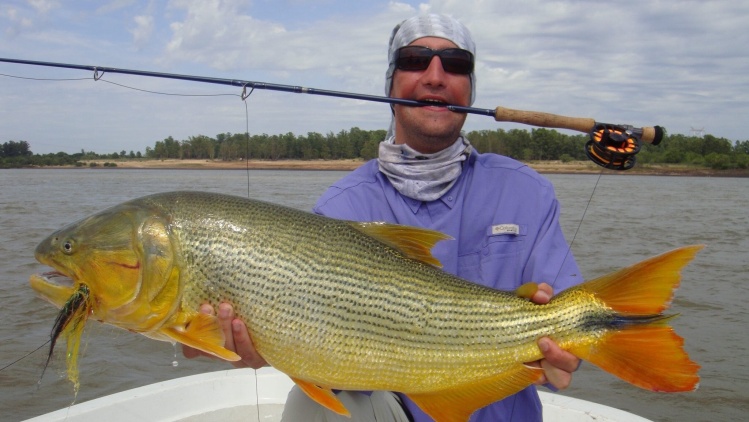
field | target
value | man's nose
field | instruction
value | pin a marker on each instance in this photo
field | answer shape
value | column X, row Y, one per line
column 434, row 73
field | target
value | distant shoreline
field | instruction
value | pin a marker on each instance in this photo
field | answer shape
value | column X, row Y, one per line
column 550, row 167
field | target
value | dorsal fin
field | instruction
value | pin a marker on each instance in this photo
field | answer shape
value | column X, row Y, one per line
column 414, row 242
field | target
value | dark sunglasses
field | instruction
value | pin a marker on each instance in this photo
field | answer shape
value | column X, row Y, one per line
column 454, row 60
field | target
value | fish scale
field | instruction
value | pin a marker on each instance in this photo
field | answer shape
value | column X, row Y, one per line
column 352, row 306
column 268, row 265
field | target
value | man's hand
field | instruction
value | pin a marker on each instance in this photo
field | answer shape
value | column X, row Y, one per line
column 558, row 364
column 237, row 339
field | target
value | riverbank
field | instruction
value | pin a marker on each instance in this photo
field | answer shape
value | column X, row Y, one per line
column 551, row 167
column 175, row 164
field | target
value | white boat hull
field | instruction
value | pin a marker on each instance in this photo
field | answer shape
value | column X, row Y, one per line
column 240, row 395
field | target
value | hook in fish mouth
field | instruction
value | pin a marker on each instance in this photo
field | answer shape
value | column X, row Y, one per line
column 69, row 324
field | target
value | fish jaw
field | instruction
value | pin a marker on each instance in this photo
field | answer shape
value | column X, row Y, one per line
column 49, row 286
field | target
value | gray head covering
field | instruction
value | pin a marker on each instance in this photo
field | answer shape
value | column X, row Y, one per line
column 430, row 25
column 425, row 177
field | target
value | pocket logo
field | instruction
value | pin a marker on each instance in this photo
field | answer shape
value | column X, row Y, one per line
column 512, row 229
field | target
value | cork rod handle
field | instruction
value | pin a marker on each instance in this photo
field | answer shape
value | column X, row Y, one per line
column 580, row 124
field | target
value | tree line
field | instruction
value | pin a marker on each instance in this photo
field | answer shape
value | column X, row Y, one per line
column 525, row 145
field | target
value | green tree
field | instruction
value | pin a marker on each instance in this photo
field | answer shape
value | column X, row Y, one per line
column 15, row 149
column 741, row 147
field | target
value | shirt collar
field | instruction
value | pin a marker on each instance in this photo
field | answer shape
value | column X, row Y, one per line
column 450, row 198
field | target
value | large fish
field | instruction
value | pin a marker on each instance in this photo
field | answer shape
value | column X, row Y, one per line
column 346, row 305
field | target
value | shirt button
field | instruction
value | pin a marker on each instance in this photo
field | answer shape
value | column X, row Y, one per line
column 450, row 198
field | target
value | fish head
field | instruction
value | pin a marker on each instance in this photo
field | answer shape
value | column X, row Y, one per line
column 124, row 257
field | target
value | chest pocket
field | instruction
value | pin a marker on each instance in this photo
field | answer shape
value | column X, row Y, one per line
column 497, row 260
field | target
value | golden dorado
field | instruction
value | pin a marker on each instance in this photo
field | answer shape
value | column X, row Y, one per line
column 350, row 306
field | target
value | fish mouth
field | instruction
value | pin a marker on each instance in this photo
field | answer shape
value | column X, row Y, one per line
column 56, row 277
column 53, row 286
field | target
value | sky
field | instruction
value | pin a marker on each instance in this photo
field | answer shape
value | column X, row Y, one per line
column 680, row 64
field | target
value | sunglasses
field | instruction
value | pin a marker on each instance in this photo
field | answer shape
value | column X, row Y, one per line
column 454, row 60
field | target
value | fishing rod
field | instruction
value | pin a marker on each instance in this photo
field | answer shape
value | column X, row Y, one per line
column 612, row 146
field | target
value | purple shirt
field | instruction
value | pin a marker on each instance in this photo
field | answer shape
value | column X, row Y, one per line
column 505, row 219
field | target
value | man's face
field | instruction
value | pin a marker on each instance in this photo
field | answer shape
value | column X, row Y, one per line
column 430, row 129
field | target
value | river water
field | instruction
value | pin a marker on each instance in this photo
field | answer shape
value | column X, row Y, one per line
column 628, row 218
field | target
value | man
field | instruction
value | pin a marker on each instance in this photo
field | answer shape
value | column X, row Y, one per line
column 502, row 215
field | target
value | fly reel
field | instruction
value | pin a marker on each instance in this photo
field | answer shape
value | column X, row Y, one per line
column 612, row 146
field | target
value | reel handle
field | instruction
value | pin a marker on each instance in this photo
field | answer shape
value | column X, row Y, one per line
column 652, row 135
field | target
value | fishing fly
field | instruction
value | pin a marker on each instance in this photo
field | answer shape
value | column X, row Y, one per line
column 69, row 324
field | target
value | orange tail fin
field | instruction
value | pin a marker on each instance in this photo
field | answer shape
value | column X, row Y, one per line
column 646, row 351
column 650, row 357
column 645, row 288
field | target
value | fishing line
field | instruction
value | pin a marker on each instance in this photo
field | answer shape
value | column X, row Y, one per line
column 579, row 225
column 165, row 93
column 244, row 98
column 257, row 395
column 25, row 356
column 99, row 78
column 245, row 95
column 43, row 79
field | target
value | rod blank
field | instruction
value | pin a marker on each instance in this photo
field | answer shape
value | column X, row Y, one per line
column 501, row 114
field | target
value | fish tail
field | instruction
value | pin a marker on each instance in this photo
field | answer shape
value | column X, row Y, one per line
column 641, row 348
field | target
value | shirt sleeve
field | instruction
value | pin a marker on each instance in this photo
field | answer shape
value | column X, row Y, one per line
column 357, row 197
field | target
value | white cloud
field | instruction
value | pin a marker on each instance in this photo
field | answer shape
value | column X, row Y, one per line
column 216, row 33
column 143, row 29
column 44, row 6
column 114, row 6
column 16, row 22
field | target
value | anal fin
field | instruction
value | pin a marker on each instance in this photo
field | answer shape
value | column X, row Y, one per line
column 457, row 404
column 323, row 396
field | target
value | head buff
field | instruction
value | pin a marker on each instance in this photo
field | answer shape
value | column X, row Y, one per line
column 425, row 177
column 432, row 25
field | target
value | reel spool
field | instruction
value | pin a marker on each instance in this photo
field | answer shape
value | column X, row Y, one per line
column 613, row 147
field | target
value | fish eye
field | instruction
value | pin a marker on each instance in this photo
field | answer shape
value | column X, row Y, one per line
column 67, row 247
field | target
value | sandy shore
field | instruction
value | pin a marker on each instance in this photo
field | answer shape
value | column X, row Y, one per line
column 575, row 167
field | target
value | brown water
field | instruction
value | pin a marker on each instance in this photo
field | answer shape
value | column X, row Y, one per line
column 629, row 218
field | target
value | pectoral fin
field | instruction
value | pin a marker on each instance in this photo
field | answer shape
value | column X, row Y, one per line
column 457, row 404
column 202, row 332
column 527, row 290
column 323, row 396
